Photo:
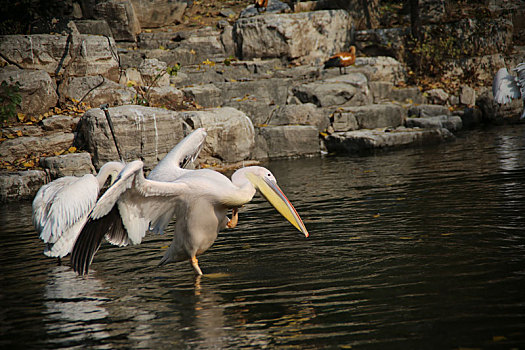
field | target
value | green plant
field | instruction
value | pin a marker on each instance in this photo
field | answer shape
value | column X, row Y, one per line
column 10, row 99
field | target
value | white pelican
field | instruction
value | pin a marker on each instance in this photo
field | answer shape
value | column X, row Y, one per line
column 61, row 208
column 200, row 199
column 506, row 87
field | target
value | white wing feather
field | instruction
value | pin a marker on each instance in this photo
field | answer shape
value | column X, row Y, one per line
column 505, row 87
column 68, row 200
column 140, row 201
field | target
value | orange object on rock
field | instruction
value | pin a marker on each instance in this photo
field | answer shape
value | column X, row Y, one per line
column 341, row 60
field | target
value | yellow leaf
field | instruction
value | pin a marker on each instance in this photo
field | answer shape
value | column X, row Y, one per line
column 499, row 338
column 10, row 136
column 28, row 164
column 19, row 133
column 21, row 117
column 192, row 51
column 376, row 215
column 72, row 149
column 323, row 134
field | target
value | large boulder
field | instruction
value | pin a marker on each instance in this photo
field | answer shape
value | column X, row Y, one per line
column 74, row 55
column 360, row 141
column 21, row 184
column 13, row 149
column 96, row 91
column 230, row 133
column 158, row 13
column 121, row 17
column 73, row 164
column 368, row 117
column 345, row 90
column 306, row 37
column 144, row 133
column 287, row 141
column 301, row 114
column 37, row 89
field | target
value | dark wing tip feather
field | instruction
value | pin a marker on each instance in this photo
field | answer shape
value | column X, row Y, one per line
column 334, row 61
column 90, row 239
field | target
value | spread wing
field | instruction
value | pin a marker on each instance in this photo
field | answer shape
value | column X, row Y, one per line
column 505, row 87
column 62, row 204
column 124, row 213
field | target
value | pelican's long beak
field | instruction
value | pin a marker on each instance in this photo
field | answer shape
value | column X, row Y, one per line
column 276, row 197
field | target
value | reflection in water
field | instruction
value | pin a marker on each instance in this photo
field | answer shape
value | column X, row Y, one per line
column 73, row 307
column 413, row 249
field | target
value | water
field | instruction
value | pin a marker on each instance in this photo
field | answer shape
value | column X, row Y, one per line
column 414, row 249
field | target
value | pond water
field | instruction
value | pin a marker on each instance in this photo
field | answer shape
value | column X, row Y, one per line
column 413, row 249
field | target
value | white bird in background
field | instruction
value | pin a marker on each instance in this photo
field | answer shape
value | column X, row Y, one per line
column 506, row 87
column 61, row 208
column 200, row 200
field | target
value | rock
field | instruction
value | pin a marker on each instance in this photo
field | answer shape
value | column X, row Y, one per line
column 22, row 184
column 369, row 117
column 131, row 77
column 380, row 68
column 154, row 73
column 432, row 11
column 343, row 121
column 451, row 123
column 360, row 141
column 159, row 13
column 383, row 42
column 230, row 133
column 75, row 55
column 165, row 96
column 13, row 149
column 306, row 37
column 258, row 111
column 73, row 164
column 492, row 112
column 348, row 90
column 272, row 91
column 425, row 110
column 471, row 117
column 144, row 133
column 96, row 91
column 26, row 130
column 410, row 94
column 121, row 17
column 207, row 95
column 184, row 47
column 467, row 96
column 37, row 89
column 437, row 96
column 63, row 123
column 302, row 114
column 93, row 27
column 274, row 6
column 288, row 141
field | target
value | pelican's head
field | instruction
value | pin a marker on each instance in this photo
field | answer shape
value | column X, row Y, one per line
column 263, row 180
column 110, row 170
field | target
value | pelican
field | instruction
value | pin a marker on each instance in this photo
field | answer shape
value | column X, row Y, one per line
column 61, row 208
column 341, row 60
column 506, row 87
column 200, row 200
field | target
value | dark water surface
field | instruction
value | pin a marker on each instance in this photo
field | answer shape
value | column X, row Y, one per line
column 413, row 249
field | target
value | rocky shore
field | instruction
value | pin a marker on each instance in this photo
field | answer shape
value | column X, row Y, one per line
column 254, row 81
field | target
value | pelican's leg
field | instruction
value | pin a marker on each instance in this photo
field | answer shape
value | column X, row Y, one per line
column 235, row 218
column 195, row 264
column 59, row 262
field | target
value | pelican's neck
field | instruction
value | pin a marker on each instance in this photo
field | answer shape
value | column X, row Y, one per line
column 168, row 169
column 108, row 169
